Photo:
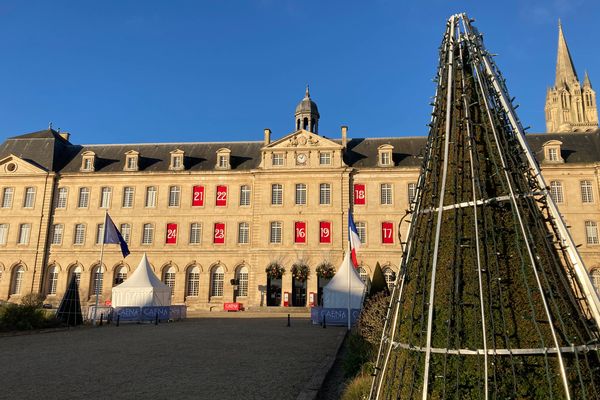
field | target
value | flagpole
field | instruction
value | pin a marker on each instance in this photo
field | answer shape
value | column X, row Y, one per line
column 100, row 267
column 348, row 269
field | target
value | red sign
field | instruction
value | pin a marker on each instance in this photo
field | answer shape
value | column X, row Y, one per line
column 221, row 196
column 171, row 233
column 300, row 234
column 198, row 196
column 219, row 236
column 324, row 232
column 360, row 194
column 387, row 232
column 233, row 306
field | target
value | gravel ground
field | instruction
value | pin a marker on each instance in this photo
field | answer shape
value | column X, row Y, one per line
column 206, row 358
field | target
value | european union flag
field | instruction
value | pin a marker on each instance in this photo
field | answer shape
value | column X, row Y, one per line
column 112, row 235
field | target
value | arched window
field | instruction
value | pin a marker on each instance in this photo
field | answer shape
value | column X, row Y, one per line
column 193, row 281
column 17, row 280
column 52, row 280
column 596, row 279
column 305, row 127
column 364, row 275
column 216, row 281
column 169, row 278
column 120, row 274
column 75, row 270
column 97, row 282
column 390, row 276
column 242, row 276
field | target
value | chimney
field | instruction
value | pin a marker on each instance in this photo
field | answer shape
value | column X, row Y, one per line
column 267, row 136
column 344, row 136
column 65, row 135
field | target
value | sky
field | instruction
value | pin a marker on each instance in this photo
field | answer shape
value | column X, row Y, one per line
column 192, row 71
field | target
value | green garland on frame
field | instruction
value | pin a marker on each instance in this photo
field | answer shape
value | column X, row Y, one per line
column 275, row 270
column 325, row 270
column 300, row 271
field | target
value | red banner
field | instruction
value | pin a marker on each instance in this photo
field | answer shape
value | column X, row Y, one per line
column 219, row 236
column 171, row 233
column 387, row 232
column 300, row 228
column 324, row 232
column 360, row 194
column 198, row 196
column 221, row 196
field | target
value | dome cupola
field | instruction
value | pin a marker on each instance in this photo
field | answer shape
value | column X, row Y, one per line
column 307, row 114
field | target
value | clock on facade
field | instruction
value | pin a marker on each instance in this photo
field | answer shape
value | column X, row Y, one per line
column 301, row 158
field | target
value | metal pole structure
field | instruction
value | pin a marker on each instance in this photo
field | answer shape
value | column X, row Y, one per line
column 100, row 267
column 348, row 269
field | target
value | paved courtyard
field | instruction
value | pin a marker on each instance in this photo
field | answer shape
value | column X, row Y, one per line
column 206, row 358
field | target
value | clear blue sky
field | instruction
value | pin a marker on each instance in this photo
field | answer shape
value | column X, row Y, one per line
column 158, row 71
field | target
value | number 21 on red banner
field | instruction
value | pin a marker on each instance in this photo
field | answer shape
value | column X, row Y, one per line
column 219, row 237
column 171, row 233
column 359, row 193
column 325, row 232
column 387, row 232
column 221, row 196
column 198, row 199
column 300, row 232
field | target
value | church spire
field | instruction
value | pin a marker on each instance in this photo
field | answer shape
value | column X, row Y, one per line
column 565, row 72
column 586, row 80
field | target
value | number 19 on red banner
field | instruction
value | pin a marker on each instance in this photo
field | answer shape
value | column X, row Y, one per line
column 325, row 232
column 219, row 236
column 387, row 232
column 300, row 232
column 171, row 233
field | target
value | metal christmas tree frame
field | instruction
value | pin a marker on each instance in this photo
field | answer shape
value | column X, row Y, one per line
column 493, row 299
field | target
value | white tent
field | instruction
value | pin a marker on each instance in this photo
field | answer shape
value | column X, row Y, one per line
column 335, row 293
column 141, row 289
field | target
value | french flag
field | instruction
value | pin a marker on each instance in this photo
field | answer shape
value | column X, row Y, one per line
column 353, row 238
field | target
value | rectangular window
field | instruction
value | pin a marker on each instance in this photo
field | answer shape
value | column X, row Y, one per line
column 198, row 196
column 61, row 197
column 128, row 193
column 386, row 193
column 171, row 234
column 105, row 195
column 223, row 162
column 591, row 232
column 177, row 162
column 84, row 197
column 57, row 233
column 126, row 232
column 359, row 194
column 300, row 194
column 132, row 163
column 300, row 232
column 386, row 158
column 552, row 154
column 243, row 233
column 243, row 282
column 79, row 236
column 219, row 233
column 195, row 233
column 148, row 234
column 24, row 232
column 221, row 200
column 277, row 159
column 387, row 232
column 412, row 192
column 587, row 195
column 3, row 233
column 216, row 283
column 556, row 191
column 87, row 164
column 245, row 195
column 276, row 194
column 275, row 234
column 7, row 197
column 325, row 158
column 150, row 197
column 29, row 200
column 174, row 195
column 324, row 232
column 52, row 281
column 99, row 233
column 361, row 227
column 325, row 194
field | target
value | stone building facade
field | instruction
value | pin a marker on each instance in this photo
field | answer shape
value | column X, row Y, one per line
column 212, row 216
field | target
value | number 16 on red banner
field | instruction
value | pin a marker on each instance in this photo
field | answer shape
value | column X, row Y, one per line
column 300, row 232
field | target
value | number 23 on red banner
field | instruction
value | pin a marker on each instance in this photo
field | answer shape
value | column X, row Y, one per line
column 219, row 237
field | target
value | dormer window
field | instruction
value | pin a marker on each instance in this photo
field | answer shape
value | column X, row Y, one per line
column 88, row 161
column 277, row 159
column 131, row 161
column 552, row 151
column 177, row 160
column 385, row 155
column 223, row 158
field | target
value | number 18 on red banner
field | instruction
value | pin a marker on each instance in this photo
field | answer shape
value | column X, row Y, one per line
column 300, row 232
column 171, row 233
column 359, row 194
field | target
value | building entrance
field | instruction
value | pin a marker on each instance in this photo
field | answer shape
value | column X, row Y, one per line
column 298, row 293
column 273, row 292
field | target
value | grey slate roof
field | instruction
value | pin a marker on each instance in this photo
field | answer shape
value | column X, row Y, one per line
column 50, row 151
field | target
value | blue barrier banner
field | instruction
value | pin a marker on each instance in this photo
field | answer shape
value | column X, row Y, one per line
column 333, row 316
column 177, row 312
column 129, row 313
column 149, row 313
